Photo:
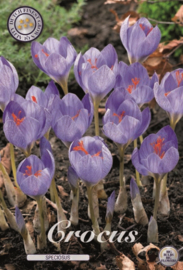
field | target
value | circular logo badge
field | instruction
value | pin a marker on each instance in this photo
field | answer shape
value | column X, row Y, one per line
column 25, row 24
column 168, row 256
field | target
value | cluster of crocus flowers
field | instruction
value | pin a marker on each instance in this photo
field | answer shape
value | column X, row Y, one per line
column 157, row 156
column 55, row 58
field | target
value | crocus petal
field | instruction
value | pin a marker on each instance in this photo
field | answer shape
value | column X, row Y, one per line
column 101, row 82
column 116, row 98
column 128, row 126
column 56, row 66
column 136, row 163
column 146, row 118
column 161, row 99
column 152, row 163
column 70, row 133
column 71, row 104
column 95, row 174
column 113, row 132
column 78, row 69
column 52, row 45
column 153, row 80
column 110, row 204
column 44, row 145
column 124, row 33
column 169, row 161
column 87, row 103
column 143, row 94
column 51, row 89
column 67, row 51
column 36, row 95
column 35, row 48
column 48, row 161
column 147, row 146
column 176, row 98
column 110, row 55
column 169, row 135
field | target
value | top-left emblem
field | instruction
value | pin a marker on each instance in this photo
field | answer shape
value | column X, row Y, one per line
column 25, row 24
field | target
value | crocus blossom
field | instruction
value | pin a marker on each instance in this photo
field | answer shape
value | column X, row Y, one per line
column 34, row 175
column 140, row 39
column 91, row 159
column 55, row 58
column 96, row 71
column 123, row 120
column 169, row 95
column 135, row 80
column 8, row 82
column 158, row 153
column 24, row 123
column 71, row 117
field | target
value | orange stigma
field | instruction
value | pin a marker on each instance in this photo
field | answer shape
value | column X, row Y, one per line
column 143, row 28
column 179, row 77
column 75, row 116
column 157, row 146
column 80, row 147
column 28, row 172
column 93, row 66
column 120, row 117
column 133, row 86
column 167, row 93
column 36, row 55
column 34, row 99
column 16, row 119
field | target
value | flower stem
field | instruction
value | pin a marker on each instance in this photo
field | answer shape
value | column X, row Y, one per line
column 96, row 105
column 93, row 218
column 139, row 184
column 158, row 184
column 141, row 139
column 41, row 216
column 12, row 154
column 172, row 124
column 64, row 85
column 47, row 134
column 52, row 188
column 121, row 168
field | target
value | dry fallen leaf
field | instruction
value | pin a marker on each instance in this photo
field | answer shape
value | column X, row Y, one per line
column 5, row 158
column 134, row 16
column 178, row 266
column 124, row 263
column 180, row 238
column 124, row 2
column 62, row 192
column 9, row 267
column 73, row 32
column 178, row 18
column 165, row 48
column 101, row 267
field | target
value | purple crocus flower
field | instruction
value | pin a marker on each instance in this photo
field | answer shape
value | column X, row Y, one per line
column 135, row 80
column 110, row 206
column 140, row 40
column 91, row 159
column 23, row 124
column 96, row 71
column 54, row 58
column 158, row 153
column 34, row 175
column 123, row 120
column 71, row 117
column 8, row 82
column 169, row 95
